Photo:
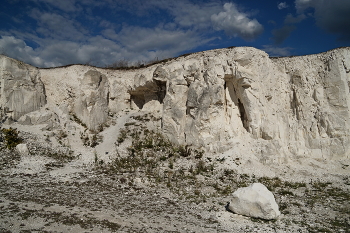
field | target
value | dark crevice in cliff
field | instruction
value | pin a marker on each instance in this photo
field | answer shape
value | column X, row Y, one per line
column 232, row 95
column 188, row 111
column 161, row 92
column 107, row 98
column 294, row 105
column 243, row 115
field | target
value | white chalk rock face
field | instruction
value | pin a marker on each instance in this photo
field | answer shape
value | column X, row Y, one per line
column 91, row 105
column 254, row 201
column 21, row 89
column 282, row 108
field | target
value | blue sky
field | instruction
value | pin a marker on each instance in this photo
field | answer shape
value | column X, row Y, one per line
column 48, row 33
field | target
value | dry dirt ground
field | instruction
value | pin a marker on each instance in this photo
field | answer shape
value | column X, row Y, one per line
column 86, row 201
column 155, row 186
column 36, row 196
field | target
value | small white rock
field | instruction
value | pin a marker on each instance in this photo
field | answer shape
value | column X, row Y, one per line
column 22, row 149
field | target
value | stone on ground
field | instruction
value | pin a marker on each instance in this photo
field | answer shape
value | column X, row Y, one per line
column 22, row 149
column 254, row 201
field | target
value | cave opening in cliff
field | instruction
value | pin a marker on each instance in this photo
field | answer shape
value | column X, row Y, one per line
column 138, row 99
column 243, row 115
column 155, row 90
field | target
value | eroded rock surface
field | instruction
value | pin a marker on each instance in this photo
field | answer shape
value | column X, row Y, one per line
column 91, row 104
column 21, row 89
column 282, row 107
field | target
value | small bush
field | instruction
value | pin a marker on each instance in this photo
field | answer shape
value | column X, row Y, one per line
column 198, row 154
column 94, row 141
column 171, row 164
column 122, row 136
column 11, row 138
column 184, row 151
column 271, row 183
column 61, row 134
column 91, row 141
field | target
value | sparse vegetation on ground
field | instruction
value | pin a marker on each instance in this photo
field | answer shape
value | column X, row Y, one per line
column 163, row 184
column 190, row 176
column 91, row 140
column 9, row 139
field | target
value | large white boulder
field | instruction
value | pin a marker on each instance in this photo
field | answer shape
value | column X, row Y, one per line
column 254, row 201
column 41, row 116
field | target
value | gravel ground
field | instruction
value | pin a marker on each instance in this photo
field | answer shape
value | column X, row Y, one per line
column 85, row 200
column 90, row 202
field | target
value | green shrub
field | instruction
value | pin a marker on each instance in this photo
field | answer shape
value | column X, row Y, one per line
column 184, row 151
column 198, row 154
column 11, row 138
column 271, row 183
column 91, row 141
column 94, row 141
column 122, row 136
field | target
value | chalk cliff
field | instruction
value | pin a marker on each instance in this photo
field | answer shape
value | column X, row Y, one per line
column 216, row 99
column 21, row 88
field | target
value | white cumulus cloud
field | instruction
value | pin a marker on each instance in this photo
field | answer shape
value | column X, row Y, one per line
column 282, row 5
column 18, row 49
column 235, row 23
column 68, row 31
